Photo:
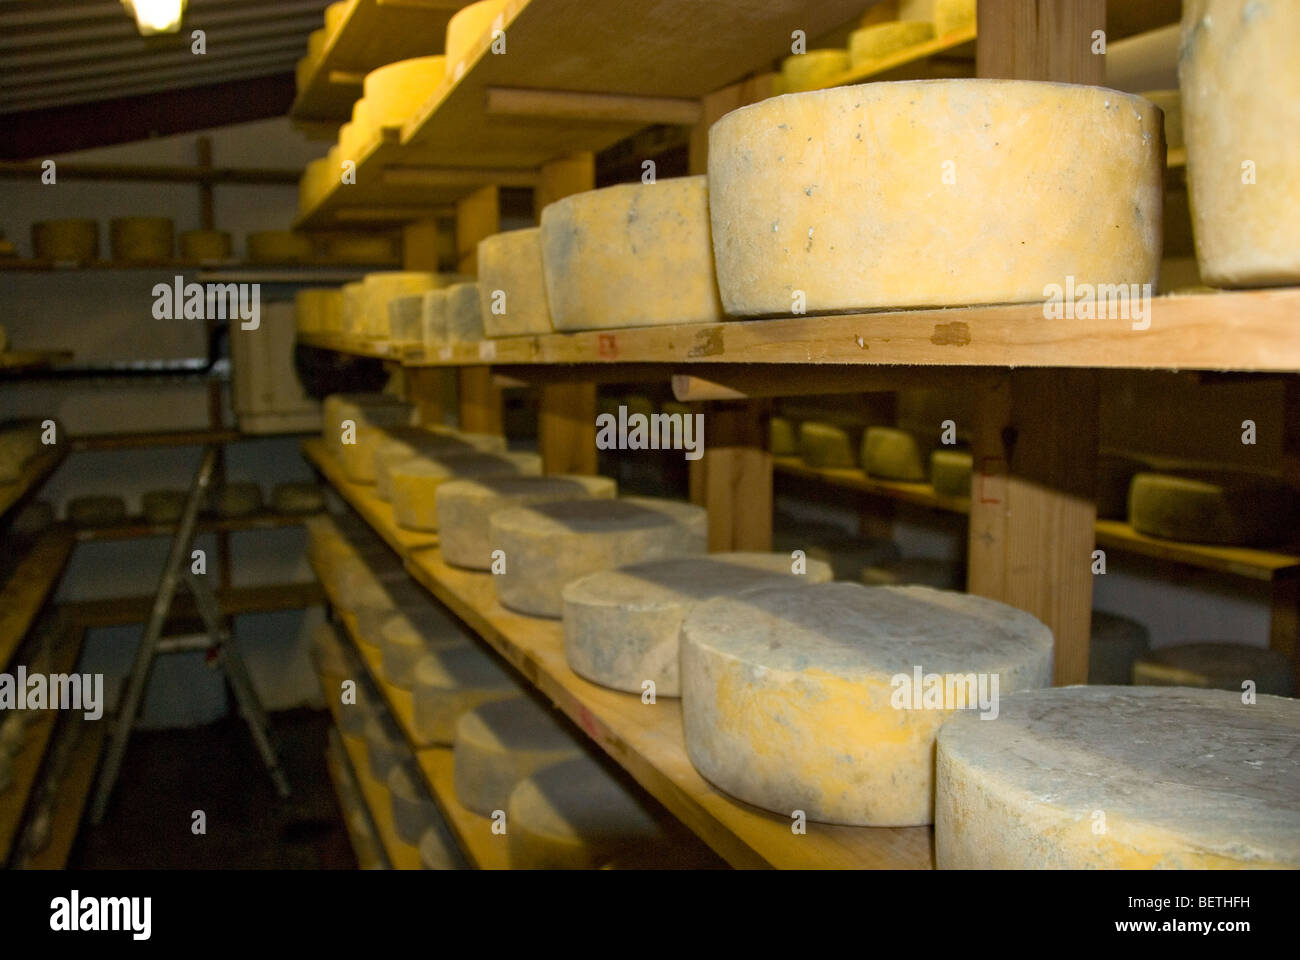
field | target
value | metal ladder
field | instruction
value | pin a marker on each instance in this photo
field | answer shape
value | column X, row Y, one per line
column 216, row 641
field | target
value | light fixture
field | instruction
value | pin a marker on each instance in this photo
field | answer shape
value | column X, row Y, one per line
column 156, row 16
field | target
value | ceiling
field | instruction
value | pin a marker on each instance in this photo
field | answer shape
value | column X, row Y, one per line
column 56, row 53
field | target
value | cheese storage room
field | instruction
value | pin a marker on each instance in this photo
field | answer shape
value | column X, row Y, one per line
column 556, row 434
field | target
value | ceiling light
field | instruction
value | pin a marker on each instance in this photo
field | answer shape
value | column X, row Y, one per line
column 156, row 16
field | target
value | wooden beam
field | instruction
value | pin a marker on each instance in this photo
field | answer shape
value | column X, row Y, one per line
column 752, row 381
column 1040, row 40
column 738, row 481
column 457, row 176
column 31, row 170
column 592, row 107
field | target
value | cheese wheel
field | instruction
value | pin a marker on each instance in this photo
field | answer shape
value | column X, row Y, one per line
column 379, row 288
column 1240, row 85
column 817, row 698
column 317, row 178
column 32, row 518
column 397, row 594
column 235, row 499
column 394, row 93
column 96, row 511
column 1221, row 666
column 205, row 245
column 465, row 507
column 277, row 246
column 870, row 44
column 163, row 506
column 548, row 545
column 1172, row 107
column 141, row 239
column 1184, row 779
column 415, row 482
column 782, row 437
column 368, row 409
column 433, row 318
column 409, row 634
column 804, row 71
column 405, row 314
column 353, row 717
column 353, row 314
column 66, row 240
column 385, row 746
column 826, row 445
column 922, row 571
column 1114, row 477
column 793, row 179
column 359, row 457
column 328, row 654
column 512, row 284
column 1114, row 643
column 501, row 743
column 359, row 248
column 402, row 447
column 412, row 808
column 894, row 454
column 630, row 255
column 575, row 816
column 335, row 14
column 293, row 499
column 463, row 314
column 353, row 140
column 451, row 680
column 621, row 626
column 438, row 849
column 467, row 28
column 953, row 15
column 1227, row 508
column 316, row 43
column 951, row 471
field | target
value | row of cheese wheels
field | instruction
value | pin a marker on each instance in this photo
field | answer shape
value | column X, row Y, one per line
column 226, row 500
column 790, row 685
column 393, row 94
column 524, row 772
column 409, row 307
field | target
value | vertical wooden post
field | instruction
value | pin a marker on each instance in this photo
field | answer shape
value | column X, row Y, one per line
column 733, row 479
column 216, row 418
column 1285, row 623
column 1033, row 506
column 566, row 411
column 477, row 216
column 424, row 385
column 876, row 514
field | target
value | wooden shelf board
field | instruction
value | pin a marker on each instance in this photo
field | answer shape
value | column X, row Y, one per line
column 157, row 173
column 32, row 475
column 167, row 438
column 73, row 794
column 27, row 588
column 118, row 611
column 914, row 63
column 18, row 361
column 357, row 346
column 335, row 752
column 224, row 271
column 135, row 528
column 920, row 494
column 362, row 498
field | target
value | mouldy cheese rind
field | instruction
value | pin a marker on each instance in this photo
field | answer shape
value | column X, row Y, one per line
column 465, row 508
column 827, row 199
column 575, row 816
column 549, row 545
column 412, row 807
column 512, row 284
column 501, row 743
column 621, row 626
column 404, row 316
column 438, row 850
column 385, row 746
column 1185, row 779
column 408, row 635
column 1212, row 507
column 463, row 314
column 804, row 699
column 812, row 69
column 450, row 680
column 630, row 255
column 415, row 482
column 1222, row 666
column 1240, row 84
column 1114, row 643
column 406, row 445
column 377, row 289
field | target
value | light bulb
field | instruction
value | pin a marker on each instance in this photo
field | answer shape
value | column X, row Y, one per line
column 156, row 16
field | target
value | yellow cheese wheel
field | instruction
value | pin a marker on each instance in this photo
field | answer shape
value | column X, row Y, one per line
column 377, row 409
column 302, row 73
column 1240, row 84
column 278, row 246
column 360, row 249
column 895, row 454
column 205, row 245
column 450, row 680
column 352, row 317
column 1221, row 666
column 379, row 288
column 783, row 437
column 404, row 315
column 1132, row 778
column 96, row 511
column 235, row 499
column 793, row 180
column 462, row 314
column 512, row 284
column 950, row 471
column 141, row 239
column 433, row 318
column 317, row 178
column 630, row 255
column 318, row 310
column 335, row 14
column 1171, row 105
column 870, row 44
column 1212, row 507
column 827, row 698
column 415, row 482
column 826, row 445
column 438, row 850
column 804, row 71
column 408, row 634
column 394, row 93
column 953, row 15
column 467, row 28
column 403, row 445
column 316, row 43
column 1114, row 643
column 501, row 743
column 163, row 506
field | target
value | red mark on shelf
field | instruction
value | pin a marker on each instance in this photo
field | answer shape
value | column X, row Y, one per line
column 608, row 346
column 986, row 473
column 588, row 722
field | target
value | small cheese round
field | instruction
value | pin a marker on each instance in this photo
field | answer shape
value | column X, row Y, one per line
column 66, row 240
column 512, row 284
column 924, row 571
column 404, row 318
column 950, row 471
column 412, row 807
column 1171, row 105
column 396, row 91
column 335, row 14
column 1220, row 666
column 894, row 454
column 353, row 314
column 205, row 245
column 401, row 446
column 353, row 717
column 953, row 15
column 803, row 71
column 318, row 310
column 141, row 239
column 1120, row 778
column 433, row 318
column 277, row 246
column 870, row 44
column 467, row 27
column 450, row 680
column 465, row 506
column 96, row 511
column 415, row 482
column 551, row 544
column 407, row 635
column 501, row 743
column 295, row 499
column 235, row 499
column 328, row 654
column 827, row 698
column 463, row 314
column 394, row 595
column 783, row 437
column 575, row 816
column 377, row 289
column 826, row 200
column 1213, row 507
column 385, row 746
column 163, row 506
column 826, row 445
column 1114, row 643
column 630, row 255
column 621, row 626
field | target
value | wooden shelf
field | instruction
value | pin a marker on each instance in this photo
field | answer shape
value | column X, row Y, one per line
column 20, row 361
column 920, row 494
column 157, row 173
column 73, row 794
column 31, row 476
column 365, row 847
column 212, row 271
column 359, row 347
column 31, row 582
column 169, row 438
column 135, row 528
column 362, row 499
column 235, row 601
column 923, row 61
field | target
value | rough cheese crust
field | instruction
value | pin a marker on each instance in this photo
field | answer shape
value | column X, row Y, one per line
column 398, row 447
column 836, row 192
column 510, row 264
column 467, row 27
column 876, row 42
column 621, row 626
column 414, row 483
column 377, row 289
column 787, row 701
column 385, row 746
column 463, row 314
column 630, row 255
column 1211, row 507
column 548, row 545
column 894, row 454
column 1185, row 779
column 502, row 743
column 1240, row 84
column 413, row 808
column 450, row 680
column 465, row 508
